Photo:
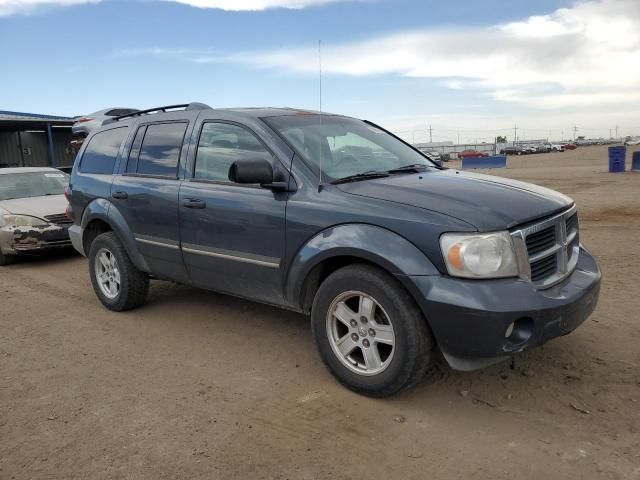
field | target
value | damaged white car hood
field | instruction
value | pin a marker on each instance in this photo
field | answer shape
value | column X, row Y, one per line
column 35, row 206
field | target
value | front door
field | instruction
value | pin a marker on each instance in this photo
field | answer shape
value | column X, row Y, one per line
column 232, row 235
column 146, row 194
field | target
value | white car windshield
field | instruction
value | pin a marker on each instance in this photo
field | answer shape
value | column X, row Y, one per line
column 343, row 147
column 32, row 184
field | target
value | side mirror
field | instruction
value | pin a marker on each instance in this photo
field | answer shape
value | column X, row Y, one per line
column 251, row 171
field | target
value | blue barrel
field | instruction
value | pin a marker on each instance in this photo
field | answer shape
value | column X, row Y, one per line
column 635, row 161
column 616, row 159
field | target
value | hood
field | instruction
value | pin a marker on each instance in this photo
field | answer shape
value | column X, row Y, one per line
column 486, row 202
column 35, row 206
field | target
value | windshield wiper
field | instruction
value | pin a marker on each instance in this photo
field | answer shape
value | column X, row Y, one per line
column 361, row 176
column 414, row 167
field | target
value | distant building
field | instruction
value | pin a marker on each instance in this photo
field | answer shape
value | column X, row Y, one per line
column 34, row 140
column 433, row 145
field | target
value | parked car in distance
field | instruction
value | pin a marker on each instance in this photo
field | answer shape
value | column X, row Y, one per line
column 512, row 151
column 435, row 157
column 32, row 211
column 85, row 124
column 544, row 148
column 570, row 146
column 396, row 259
column 472, row 154
column 557, row 148
column 632, row 142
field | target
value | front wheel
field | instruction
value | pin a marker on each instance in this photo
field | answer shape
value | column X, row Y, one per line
column 369, row 331
column 117, row 282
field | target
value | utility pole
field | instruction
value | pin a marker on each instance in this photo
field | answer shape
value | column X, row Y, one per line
column 430, row 136
column 610, row 134
column 616, row 131
column 575, row 130
column 515, row 135
column 458, row 138
column 562, row 139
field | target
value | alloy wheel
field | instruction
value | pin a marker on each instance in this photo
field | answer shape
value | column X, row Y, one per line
column 360, row 333
column 107, row 273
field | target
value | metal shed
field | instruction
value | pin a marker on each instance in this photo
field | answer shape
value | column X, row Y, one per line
column 34, row 140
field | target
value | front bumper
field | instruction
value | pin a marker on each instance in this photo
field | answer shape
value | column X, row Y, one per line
column 25, row 240
column 470, row 318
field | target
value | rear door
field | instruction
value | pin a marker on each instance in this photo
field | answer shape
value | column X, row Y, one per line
column 146, row 191
column 233, row 236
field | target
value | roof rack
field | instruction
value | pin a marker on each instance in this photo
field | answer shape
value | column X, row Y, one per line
column 185, row 106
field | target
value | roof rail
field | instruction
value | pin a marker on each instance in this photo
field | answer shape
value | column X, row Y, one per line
column 185, row 106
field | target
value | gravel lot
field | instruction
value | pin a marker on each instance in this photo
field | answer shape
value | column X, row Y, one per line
column 200, row 385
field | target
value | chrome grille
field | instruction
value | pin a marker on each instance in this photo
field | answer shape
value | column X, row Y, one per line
column 547, row 251
column 58, row 219
column 543, row 268
column 541, row 241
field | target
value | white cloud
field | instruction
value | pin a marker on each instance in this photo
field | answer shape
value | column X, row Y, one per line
column 581, row 56
column 12, row 7
column 253, row 5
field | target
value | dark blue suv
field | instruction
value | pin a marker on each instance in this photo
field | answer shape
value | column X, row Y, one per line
column 394, row 257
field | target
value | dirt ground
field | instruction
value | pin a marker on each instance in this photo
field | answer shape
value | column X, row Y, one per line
column 199, row 385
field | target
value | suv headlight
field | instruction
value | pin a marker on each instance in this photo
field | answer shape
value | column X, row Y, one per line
column 23, row 221
column 479, row 255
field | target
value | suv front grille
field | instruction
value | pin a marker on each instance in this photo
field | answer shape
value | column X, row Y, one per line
column 548, row 250
column 541, row 241
column 543, row 268
column 58, row 219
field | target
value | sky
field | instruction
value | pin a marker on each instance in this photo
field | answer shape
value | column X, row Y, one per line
column 468, row 69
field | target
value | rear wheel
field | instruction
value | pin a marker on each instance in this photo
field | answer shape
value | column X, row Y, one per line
column 117, row 282
column 369, row 332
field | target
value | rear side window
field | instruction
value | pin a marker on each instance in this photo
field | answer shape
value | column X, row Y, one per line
column 160, row 150
column 102, row 150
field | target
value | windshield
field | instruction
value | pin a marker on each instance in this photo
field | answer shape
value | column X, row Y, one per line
column 32, row 184
column 343, row 147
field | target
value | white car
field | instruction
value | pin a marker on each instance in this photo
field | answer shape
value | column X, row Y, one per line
column 557, row 148
column 32, row 211
column 633, row 142
column 85, row 124
column 434, row 156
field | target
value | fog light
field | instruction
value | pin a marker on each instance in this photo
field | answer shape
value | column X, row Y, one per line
column 509, row 331
column 519, row 332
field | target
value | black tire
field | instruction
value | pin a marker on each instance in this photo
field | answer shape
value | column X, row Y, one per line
column 6, row 259
column 134, row 284
column 414, row 344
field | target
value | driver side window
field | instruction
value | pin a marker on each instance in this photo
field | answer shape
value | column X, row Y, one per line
column 220, row 145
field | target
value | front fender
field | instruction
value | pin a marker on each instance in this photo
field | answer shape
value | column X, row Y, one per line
column 101, row 209
column 375, row 244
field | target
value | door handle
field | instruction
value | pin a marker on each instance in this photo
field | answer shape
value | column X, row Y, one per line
column 194, row 203
column 120, row 195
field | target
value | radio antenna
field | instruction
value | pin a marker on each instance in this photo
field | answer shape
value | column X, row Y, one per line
column 320, row 106
column 320, row 72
